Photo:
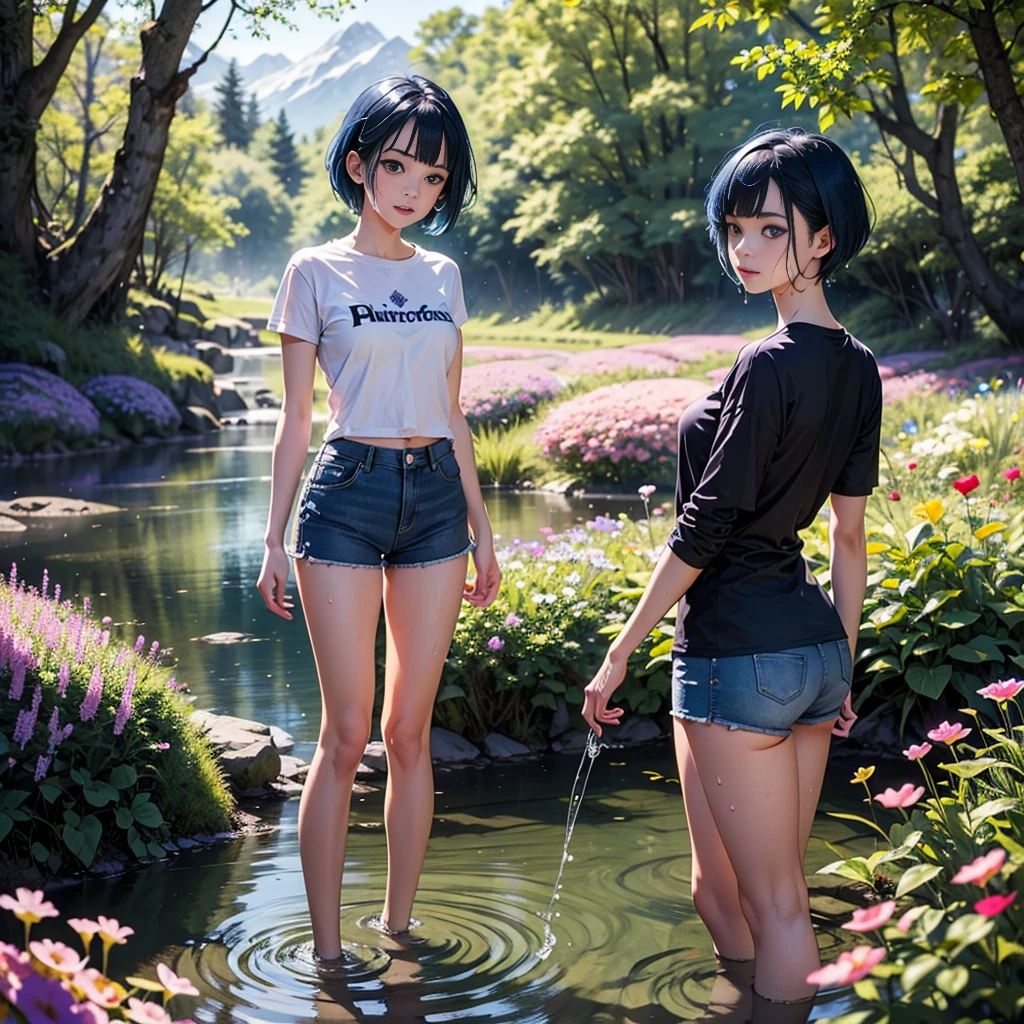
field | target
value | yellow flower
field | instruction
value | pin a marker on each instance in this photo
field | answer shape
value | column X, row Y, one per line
column 876, row 548
column 931, row 510
column 862, row 775
column 891, row 583
column 979, row 444
column 969, row 711
column 988, row 529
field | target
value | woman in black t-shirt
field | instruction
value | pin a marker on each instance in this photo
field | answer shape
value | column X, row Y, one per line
column 762, row 657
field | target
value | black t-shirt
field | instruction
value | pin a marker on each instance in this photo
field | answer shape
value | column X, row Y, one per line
column 798, row 417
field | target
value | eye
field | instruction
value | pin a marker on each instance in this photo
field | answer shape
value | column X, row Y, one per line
column 774, row 231
column 732, row 228
column 392, row 166
column 435, row 179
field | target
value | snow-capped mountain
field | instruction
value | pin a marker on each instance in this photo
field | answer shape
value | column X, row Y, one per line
column 316, row 89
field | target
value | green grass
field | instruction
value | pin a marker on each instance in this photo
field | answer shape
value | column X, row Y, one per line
column 229, row 305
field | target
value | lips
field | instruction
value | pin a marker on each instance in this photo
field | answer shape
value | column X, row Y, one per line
column 405, row 209
column 747, row 272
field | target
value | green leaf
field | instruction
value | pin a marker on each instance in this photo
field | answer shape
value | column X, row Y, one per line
column 969, row 769
column 957, row 619
column 916, row 876
column 6, row 824
column 930, row 682
column 919, row 969
column 856, row 868
column 123, row 817
column 936, row 601
column 123, row 776
column 451, row 691
column 40, row 853
column 49, row 792
column 156, row 850
column 544, row 700
column 72, row 819
column 12, row 798
column 99, row 794
column 145, row 984
column 905, row 848
column 990, row 809
column 148, row 814
column 138, row 847
column 916, row 534
column 953, row 980
column 977, row 650
column 966, row 931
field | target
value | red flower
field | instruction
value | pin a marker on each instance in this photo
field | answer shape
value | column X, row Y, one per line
column 1012, row 474
column 966, row 484
column 990, row 906
column 911, row 465
column 894, row 496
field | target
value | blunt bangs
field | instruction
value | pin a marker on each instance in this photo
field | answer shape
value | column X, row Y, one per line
column 813, row 175
column 376, row 120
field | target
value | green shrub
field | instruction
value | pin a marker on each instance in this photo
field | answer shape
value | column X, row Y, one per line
column 97, row 754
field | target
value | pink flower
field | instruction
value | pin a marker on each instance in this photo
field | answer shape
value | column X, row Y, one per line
column 852, row 966
column 647, row 490
column 513, row 620
column 993, row 905
column 63, row 678
column 90, row 1013
column 966, row 484
column 98, row 989
column 14, row 962
column 982, row 869
column 111, row 931
column 904, row 923
column 948, row 733
column 163, row 746
column 917, row 751
column 893, row 496
column 124, row 709
column 869, row 919
column 93, row 695
column 173, row 984
column 1012, row 473
column 58, row 957
column 29, row 906
column 911, row 465
column 146, row 1013
column 906, row 796
column 1005, row 689
column 86, row 930
column 495, row 643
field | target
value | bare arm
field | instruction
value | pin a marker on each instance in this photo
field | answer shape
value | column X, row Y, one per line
column 484, row 588
column 291, row 443
column 849, row 562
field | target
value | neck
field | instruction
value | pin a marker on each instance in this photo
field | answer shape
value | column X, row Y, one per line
column 374, row 236
column 804, row 303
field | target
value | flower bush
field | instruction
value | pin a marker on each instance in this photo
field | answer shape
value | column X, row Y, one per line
column 947, row 927
column 945, row 606
column 50, row 981
column 617, row 360
column 37, row 406
column 134, row 406
column 507, row 390
column 97, row 756
column 543, row 637
column 620, row 431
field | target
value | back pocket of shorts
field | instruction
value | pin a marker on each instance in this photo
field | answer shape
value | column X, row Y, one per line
column 845, row 661
column 781, row 677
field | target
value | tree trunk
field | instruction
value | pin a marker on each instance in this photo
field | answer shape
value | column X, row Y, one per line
column 101, row 255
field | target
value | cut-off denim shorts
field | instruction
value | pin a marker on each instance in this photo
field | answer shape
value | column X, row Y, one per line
column 382, row 508
column 766, row 693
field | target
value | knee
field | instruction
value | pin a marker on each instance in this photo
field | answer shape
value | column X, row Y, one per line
column 777, row 903
column 406, row 742
column 342, row 745
column 714, row 899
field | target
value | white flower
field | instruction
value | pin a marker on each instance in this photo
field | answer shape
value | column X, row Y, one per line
column 516, row 564
column 568, row 591
column 573, row 579
column 520, row 584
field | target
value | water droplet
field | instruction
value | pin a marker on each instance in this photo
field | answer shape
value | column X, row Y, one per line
column 719, row 779
column 732, row 807
column 570, row 857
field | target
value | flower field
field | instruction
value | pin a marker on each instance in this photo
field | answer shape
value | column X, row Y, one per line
column 506, row 390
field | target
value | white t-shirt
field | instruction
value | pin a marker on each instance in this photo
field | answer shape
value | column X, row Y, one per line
column 386, row 332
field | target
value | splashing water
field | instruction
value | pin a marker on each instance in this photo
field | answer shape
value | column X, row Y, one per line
column 590, row 752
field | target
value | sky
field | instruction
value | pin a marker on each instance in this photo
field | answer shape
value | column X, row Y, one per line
column 392, row 17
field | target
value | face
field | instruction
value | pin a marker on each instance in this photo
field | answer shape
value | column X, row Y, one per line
column 405, row 190
column 761, row 249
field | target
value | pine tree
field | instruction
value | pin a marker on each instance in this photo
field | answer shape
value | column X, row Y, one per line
column 284, row 157
column 229, row 109
column 252, row 116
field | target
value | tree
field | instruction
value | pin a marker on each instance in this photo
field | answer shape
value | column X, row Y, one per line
column 186, row 215
column 917, row 68
column 229, row 109
column 252, row 118
column 284, row 157
column 89, row 271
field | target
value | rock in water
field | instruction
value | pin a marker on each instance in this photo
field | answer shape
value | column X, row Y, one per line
column 450, row 746
column 498, row 746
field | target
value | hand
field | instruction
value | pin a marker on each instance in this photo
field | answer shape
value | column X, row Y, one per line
column 598, row 692
column 847, row 716
column 482, row 591
column 273, row 580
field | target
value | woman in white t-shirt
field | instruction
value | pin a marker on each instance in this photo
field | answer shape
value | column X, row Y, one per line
column 392, row 497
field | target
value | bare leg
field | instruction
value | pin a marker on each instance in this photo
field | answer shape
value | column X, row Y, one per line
column 421, row 607
column 812, row 747
column 342, row 607
column 759, row 796
column 716, row 894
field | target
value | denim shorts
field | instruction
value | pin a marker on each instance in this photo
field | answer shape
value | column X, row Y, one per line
column 382, row 508
column 764, row 692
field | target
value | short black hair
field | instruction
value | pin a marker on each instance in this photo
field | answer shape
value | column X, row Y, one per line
column 376, row 119
column 813, row 174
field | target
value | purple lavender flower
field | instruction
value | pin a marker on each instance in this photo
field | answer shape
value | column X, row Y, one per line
column 13, row 578
column 31, row 395
column 26, row 724
column 93, row 694
column 56, row 594
column 140, row 642
column 121, row 655
column 86, row 605
column 63, row 678
column 154, row 650
column 134, row 405
column 124, row 709
column 495, row 643
column 106, row 620
column 46, row 583
column 42, row 767
column 18, row 667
